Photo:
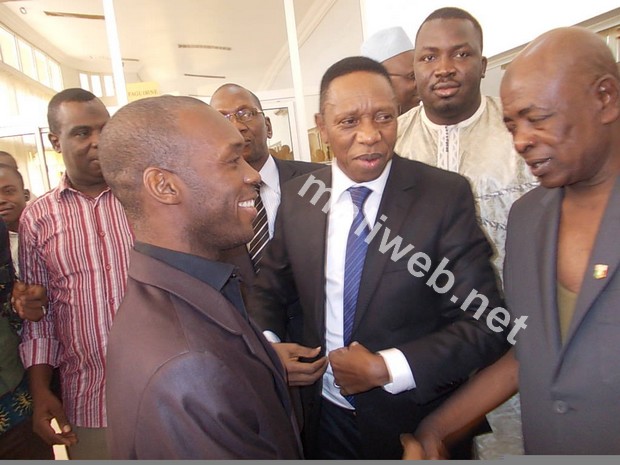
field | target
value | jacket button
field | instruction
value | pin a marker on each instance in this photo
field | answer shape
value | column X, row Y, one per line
column 559, row 406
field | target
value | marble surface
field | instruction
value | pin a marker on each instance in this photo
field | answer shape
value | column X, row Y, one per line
column 507, row 436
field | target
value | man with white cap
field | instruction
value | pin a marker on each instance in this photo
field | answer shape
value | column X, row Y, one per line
column 393, row 49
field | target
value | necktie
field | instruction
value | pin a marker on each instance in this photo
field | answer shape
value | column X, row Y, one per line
column 354, row 264
column 261, row 234
column 354, row 260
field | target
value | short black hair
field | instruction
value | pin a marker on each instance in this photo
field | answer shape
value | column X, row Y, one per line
column 452, row 13
column 347, row 66
column 237, row 86
column 4, row 166
column 68, row 95
column 13, row 162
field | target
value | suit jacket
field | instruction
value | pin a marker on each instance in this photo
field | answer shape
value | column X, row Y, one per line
column 431, row 209
column 189, row 378
column 570, row 392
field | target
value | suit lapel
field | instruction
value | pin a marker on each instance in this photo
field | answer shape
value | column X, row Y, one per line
column 313, row 240
column 605, row 252
column 546, row 240
column 395, row 205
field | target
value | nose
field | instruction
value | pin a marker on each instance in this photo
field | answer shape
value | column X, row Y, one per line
column 368, row 133
column 251, row 176
column 445, row 66
column 523, row 141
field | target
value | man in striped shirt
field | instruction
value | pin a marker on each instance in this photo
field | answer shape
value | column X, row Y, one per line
column 74, row 240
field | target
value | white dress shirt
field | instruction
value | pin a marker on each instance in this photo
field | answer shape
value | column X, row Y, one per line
column 340, row 218
column 270, row 191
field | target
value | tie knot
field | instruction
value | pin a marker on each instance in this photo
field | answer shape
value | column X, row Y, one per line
column 359, row 195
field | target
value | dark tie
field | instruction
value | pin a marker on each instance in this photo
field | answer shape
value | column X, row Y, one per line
column 354, row 263
column 261, row 234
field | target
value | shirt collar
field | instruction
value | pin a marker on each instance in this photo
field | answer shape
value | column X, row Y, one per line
column 215, row 274
column 65, row 186
column 461, row 124
column 341, row 182
column 269, row 174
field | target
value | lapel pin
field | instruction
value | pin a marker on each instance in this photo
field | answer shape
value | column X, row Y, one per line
column 600, row 271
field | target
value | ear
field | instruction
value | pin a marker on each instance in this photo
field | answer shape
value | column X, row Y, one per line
column 484, row 66
column 54, row 141
column 162, row 185
column 320, row 123
column 269, row 128
column 27, row 194
column 608, row 94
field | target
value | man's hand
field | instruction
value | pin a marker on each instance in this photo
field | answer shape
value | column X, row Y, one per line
column 47, row 407
column 300, row 373
column 412, row 449
column 356, row 369
column 29, row 301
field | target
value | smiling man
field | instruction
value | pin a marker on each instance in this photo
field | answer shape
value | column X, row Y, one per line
column 459, row 129
column 243, row 109
column 188, row 376
column 395, row 346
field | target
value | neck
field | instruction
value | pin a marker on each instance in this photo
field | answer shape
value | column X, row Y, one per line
column 91, row 190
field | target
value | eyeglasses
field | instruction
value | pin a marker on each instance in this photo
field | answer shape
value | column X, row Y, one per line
column 245, row 115
column 410, row 76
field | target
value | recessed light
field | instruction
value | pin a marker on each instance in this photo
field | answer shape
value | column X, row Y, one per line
column 23, row 10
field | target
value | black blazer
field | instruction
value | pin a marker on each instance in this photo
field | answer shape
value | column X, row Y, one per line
column 431, row 209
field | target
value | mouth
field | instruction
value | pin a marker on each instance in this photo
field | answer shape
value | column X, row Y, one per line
column 248, row 207
column 445, row 89
column 370, row 160
column 539, row 166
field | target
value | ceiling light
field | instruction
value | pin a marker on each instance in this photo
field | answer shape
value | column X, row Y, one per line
column 212, row 47
column 211, row 76
column 23, row 10
column 73, row 15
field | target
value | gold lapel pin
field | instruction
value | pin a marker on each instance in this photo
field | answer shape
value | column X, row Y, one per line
column 600, row 271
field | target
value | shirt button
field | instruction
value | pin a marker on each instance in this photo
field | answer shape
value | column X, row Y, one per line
column 108, row 267
column 559, row 406
column 102, row 233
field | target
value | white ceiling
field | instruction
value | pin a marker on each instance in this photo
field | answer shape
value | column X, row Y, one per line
column 150, row 31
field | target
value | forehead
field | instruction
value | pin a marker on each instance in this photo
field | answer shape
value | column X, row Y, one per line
column 445, row 33
column 402, row 60
column 9, row 177
column 231, row 98
column 90, row 113
column 359, row 89
column 529, row 85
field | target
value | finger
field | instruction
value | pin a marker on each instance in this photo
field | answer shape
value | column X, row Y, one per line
column 308, row 352
column 412, row 448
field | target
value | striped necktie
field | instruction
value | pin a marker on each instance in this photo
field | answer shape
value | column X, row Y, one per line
column 353, row 265
column 261, row 234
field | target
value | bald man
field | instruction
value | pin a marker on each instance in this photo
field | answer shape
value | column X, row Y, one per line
column 561, row 99
column 188, row 376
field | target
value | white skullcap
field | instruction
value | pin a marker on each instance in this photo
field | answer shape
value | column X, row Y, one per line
column 386, row 43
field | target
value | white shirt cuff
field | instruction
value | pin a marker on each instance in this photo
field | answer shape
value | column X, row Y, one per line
column 271, row 336
column 401, row 375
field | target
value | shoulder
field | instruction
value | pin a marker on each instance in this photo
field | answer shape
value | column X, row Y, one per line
column 422, row 173
column 292, row 168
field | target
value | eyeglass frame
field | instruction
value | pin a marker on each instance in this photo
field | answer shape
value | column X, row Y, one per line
column 252, row 112
column 409, row 76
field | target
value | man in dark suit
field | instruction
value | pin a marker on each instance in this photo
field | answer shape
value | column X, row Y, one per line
column 399, row 335
column 243, row 109
column 188, row 375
